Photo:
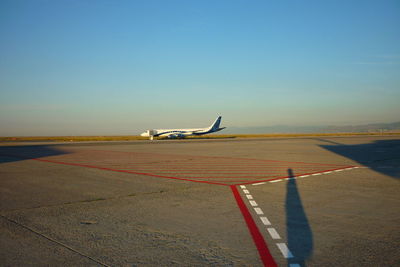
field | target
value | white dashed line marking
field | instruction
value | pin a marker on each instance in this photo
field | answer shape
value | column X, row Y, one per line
column 274, row 234
column 265, row 220
column 284, row 250
column 307, row 175
column 258, row 211
column 271, row 230
column 253, row 203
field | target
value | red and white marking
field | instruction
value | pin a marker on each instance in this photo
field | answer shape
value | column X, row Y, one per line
column 271, row 230
column 202, row 169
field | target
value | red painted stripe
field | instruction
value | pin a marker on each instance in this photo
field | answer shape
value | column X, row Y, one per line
column 258, row 239
column 217, row 171
column 139, row 173
column 216, row 168
column 215, row 177
column 248, row 173
column 169, row 156
column 115, row 170
column 217, row 163
column 232, row 161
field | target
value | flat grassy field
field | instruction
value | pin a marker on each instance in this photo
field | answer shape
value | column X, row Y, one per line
column 216, row 136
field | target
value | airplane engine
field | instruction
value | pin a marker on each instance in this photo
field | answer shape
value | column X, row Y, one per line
column 175, row 136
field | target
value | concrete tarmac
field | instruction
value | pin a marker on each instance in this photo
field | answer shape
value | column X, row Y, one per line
column 314, row 201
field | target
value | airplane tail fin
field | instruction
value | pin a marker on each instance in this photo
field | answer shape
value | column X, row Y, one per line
column 215, row 125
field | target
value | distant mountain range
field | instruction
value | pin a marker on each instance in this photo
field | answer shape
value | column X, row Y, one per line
column 374, row 127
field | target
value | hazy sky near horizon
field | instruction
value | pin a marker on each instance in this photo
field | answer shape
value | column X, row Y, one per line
column 119, row 67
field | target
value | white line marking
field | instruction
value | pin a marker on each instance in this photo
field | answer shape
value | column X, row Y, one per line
column 274, row 234
column 307, row 175
column 242, row 186
column 259, row 211
column 285, row 251
column 274, row 181
column 294, row 265
column 253, row 203
column 246, row 191
column 265, row 220
column 249, row 196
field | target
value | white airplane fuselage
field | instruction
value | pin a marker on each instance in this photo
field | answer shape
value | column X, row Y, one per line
column 182, row 133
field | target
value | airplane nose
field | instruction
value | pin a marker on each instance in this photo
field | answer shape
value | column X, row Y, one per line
column 145, row 134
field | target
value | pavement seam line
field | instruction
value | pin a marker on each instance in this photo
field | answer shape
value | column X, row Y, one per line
column 90, row 200
column 54, row 241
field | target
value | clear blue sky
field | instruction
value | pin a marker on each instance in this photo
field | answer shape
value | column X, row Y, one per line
column 119, row 67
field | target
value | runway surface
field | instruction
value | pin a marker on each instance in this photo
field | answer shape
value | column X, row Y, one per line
column 246, row 202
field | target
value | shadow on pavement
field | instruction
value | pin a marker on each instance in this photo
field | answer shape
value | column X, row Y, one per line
column 18, row 153
column 299, row 234
column 381, row 156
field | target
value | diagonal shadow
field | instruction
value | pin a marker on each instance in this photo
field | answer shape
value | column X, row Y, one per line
column 299, row 234
column 18, row 153
column 382, row 155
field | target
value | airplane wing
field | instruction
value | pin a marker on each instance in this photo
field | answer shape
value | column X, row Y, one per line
column 178, row 135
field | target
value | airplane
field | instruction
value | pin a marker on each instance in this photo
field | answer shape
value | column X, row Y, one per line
column 182, row 133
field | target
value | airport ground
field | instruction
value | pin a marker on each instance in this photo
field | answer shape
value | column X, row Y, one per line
column 317, row 201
